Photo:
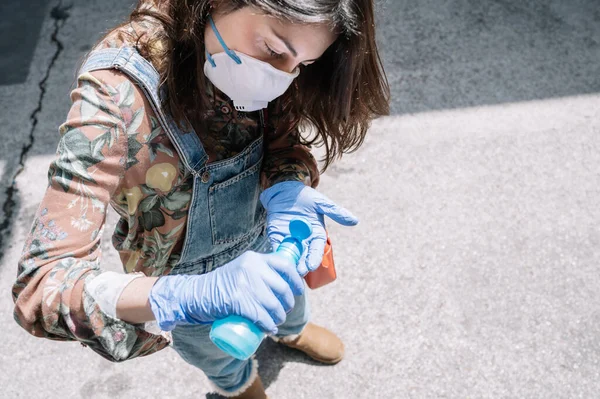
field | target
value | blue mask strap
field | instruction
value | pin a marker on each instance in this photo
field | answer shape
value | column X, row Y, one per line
column 229, row 52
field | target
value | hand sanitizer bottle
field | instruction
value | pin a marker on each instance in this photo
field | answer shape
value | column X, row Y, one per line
column 238, row 336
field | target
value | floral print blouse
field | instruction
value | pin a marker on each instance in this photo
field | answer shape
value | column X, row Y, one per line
column 112, row 150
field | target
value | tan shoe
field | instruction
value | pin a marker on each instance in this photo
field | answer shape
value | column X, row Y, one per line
column 317, row 342
column 254, row 391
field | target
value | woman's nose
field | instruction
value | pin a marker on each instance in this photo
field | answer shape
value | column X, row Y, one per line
column 288, row 65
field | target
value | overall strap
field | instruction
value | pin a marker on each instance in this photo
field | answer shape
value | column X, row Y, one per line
column 140, row 71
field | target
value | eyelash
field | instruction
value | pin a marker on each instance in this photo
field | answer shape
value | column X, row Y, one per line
column 271, row 52
column 277, row 55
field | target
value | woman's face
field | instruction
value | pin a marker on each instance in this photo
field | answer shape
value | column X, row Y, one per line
column 283, row 44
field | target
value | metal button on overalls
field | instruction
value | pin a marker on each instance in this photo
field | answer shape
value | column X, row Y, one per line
column 205, row 177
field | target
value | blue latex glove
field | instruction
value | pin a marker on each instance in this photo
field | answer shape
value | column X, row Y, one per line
column 259, row 287
column 291, row 199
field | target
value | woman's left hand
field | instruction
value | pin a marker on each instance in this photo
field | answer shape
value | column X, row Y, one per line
column 292, row 199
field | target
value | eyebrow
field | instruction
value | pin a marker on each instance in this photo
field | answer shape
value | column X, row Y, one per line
column 288, row 45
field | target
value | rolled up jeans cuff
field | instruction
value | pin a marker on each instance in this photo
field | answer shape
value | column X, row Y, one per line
column 244, row 387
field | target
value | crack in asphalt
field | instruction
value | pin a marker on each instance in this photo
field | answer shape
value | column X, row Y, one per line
column 59, row 14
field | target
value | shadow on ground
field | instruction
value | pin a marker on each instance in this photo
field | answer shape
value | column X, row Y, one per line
column 272, row 358
column 463, row 53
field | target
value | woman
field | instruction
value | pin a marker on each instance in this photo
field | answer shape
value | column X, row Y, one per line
column 187, row 120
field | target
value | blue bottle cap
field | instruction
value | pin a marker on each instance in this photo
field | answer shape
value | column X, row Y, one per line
column 300, row 229
column 291, row 246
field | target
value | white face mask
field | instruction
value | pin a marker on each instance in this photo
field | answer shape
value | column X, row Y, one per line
column 249, row 82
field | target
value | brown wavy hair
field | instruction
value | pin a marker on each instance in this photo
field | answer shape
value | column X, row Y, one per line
column 337, row 96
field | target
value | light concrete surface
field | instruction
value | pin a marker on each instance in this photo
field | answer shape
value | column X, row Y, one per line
column 474, row 270
column 477, row 275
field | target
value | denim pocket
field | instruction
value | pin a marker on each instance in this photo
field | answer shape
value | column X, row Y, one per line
column 235, row 210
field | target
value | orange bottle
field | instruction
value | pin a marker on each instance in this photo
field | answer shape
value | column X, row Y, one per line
column 325, row 274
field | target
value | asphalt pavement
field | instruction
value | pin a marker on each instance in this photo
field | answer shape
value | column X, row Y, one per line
column 474, row 271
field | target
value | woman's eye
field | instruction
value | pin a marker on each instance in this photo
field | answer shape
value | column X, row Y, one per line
column 271, row 52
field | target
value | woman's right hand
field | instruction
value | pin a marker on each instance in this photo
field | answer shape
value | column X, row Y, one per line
column 259, row 287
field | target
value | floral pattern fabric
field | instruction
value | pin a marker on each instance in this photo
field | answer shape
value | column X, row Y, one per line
column 112, row 150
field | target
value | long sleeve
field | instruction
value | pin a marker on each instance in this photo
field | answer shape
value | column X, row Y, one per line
column 286, row 158
column 61, row 255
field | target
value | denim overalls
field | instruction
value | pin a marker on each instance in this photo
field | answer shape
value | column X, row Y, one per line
column 225, row 219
